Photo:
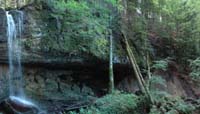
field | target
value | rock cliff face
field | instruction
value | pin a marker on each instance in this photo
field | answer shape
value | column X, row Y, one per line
column 68, row 75
column 34, row 31
column 47, row 85
column 55, row 84
column 3, row 37
column 65, row 78
column 2, row 25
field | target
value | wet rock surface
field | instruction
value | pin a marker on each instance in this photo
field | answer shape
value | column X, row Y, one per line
column 14, row 105
column 3, row 25
column 47, row 86
column 64, row 87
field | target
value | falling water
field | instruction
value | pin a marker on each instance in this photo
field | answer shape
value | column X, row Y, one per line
column 14, row 33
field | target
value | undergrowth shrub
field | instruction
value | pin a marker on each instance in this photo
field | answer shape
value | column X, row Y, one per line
column 160, row 65
column 123, row 103
column 117, row 103
column 195, row 67
column 164, row 102
column 172, row 106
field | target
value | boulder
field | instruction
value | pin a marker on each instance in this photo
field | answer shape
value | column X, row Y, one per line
column 13, row 105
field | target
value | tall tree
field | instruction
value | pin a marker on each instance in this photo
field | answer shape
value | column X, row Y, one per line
column 111, row 75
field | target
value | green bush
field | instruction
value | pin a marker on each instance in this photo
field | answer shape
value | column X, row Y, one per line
column 160, row 65
column 167, row 104
column 195, row 67
column 117, row 103
column 157, row 80
column 122, row 103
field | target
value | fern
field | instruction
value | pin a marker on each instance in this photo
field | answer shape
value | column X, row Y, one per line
column 195, row 66
column 160, row 65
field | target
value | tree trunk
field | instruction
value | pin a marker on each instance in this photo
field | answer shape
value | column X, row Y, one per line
column 148, row 66
column 141, row 82
column 130, row 55
column 111, row 75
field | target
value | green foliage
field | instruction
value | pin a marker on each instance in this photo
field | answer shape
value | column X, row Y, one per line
column 113, row 2
column 117, row 103
column 116, row 3
column 156, row 85
column 184, row 107
column 154, row 110
column 164, row 102
column 178, row 28
column 167, row 104
column 76, row 7
column 100, row 47
column 82, row 26
column 159, row 96
column 160, row 65
column 121, row 103
column 195, row 66
column 172, row 25
column 157, row 80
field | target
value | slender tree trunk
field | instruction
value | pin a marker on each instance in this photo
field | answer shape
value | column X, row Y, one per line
column 111, row 75
column 141, row 82
column 148, row 66
column 197, row 46
column 128, row 49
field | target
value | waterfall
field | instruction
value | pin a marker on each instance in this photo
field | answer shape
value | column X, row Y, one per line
column 14, row 33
